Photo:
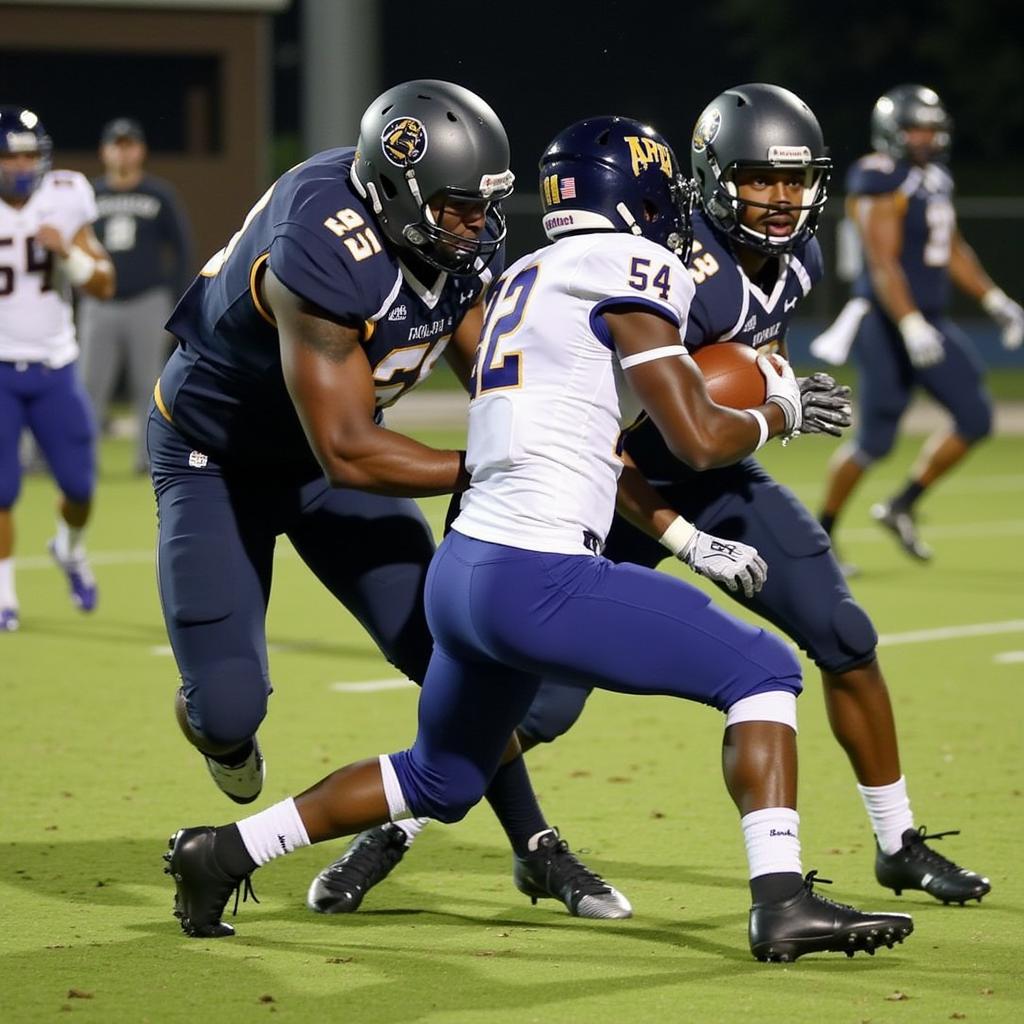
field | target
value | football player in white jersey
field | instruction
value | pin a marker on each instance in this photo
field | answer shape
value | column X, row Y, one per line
column 577, row 339
column 47, row 246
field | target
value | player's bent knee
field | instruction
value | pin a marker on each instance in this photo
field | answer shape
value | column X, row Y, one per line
column 854, row 638
column 554, row 711
column 229, row 702
column 444, row 788
column 975, row 425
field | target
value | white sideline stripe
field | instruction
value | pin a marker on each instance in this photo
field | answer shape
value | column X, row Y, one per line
column 996, row 528
column 371, row 685
column 1009, row 658
column 923, row 636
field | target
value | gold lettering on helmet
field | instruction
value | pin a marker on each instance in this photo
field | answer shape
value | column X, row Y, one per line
column 644, row 152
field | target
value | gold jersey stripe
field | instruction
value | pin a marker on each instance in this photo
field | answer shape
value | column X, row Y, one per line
column 254, row 291
column 159, row 399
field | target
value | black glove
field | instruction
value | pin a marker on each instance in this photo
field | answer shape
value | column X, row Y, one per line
column 826, row 405
column 453, row 512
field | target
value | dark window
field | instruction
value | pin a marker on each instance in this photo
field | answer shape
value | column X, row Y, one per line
column 176, row 98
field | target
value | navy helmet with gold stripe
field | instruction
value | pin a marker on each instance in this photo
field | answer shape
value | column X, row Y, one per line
column 615, row 174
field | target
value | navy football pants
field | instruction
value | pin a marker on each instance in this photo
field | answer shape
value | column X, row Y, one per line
column 887, row 379
column 218, row 526
column 53, row 405
column 503, row 618
column 805, row 594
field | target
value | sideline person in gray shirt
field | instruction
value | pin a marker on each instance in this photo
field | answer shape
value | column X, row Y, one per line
column 142, row 225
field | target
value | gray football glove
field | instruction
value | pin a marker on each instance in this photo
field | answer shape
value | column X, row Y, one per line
column 725, row 561
column 826, row 405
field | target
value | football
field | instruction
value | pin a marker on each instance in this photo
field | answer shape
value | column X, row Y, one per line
column 731, row 374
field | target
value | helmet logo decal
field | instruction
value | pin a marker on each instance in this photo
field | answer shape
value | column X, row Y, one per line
column 706, row 130
column 404, row 141
column 644, row 152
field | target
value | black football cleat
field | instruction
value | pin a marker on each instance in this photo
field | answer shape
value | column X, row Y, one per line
column 202, row 889
column 900, row 523
column 809, row 923
column 553, row 871
column 369, row 859
column 917, row 866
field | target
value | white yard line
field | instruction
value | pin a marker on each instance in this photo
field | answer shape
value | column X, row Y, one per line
column 923, row 636
column 1009, row 658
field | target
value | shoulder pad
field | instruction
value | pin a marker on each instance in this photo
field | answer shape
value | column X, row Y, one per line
column 621, row 269
column 875, row 174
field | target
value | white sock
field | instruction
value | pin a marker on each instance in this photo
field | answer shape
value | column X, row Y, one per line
column 412, row 827
column 772, row 838
column 8, row 597
column 69, row 541
column 274, row 832
column 888, row 808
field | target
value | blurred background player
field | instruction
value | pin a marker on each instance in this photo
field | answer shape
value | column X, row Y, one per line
column 578, row 338
column 900, row 199
column 142, row 225
column 762, row 170
column 349, row 278
column 47, row 246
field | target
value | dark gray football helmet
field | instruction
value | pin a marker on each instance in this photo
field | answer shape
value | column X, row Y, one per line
column 910, row 106
column 758, row 126
column 429, row 140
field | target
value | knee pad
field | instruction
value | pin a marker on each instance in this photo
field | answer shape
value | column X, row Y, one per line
column 228, row 702
column 855, row 638
column 975, row 423
column 770, row 665
column 554, row 711
column 875, row 438
column 444, row 788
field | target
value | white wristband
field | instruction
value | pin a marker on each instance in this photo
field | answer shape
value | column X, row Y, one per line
column 79, row 266
column 762, row 425
column 993, row 299
column 678, row 535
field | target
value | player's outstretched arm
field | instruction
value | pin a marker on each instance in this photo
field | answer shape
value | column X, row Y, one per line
column 880, row 219
column 86, row 262
column 969, row 276
column 330, row 381
column 672, row 391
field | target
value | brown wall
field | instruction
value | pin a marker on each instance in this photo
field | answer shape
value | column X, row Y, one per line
column 219, row 188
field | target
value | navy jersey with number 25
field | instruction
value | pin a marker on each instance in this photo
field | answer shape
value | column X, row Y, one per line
column 223, row 387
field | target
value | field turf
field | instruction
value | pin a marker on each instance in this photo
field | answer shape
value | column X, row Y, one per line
column 94, row 776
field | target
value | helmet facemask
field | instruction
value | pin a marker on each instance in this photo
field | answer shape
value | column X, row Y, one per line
column 726, row 208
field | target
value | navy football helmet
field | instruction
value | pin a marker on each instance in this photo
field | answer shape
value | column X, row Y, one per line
column 615, row 174
column 758, row 126
column 21, row 131
column 905, row 107
column 425, row 141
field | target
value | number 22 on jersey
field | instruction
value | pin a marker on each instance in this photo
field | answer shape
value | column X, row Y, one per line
column 497, row 367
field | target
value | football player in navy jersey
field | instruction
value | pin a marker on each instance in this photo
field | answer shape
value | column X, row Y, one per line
column 578, row 337
column 760, row 164
column 900, row 199
column 348, row 279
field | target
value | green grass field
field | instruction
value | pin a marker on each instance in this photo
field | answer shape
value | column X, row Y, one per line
column 95, row 777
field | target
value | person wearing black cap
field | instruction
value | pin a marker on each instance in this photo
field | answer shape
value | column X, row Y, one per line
column 145, row 230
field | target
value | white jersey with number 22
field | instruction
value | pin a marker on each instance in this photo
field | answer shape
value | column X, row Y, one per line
column 549, row 399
